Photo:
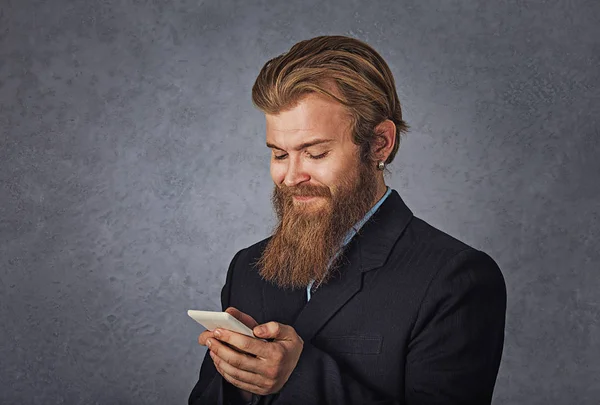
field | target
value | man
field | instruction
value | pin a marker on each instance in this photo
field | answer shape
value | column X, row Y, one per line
column 353, row 300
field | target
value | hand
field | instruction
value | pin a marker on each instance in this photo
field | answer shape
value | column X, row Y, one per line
column 262, row 367
column 246, row 320
column 239, row 315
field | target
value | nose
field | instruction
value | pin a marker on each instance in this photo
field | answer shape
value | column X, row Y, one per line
column 295, row 174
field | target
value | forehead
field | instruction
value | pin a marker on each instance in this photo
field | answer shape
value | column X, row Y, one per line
column 314, row 115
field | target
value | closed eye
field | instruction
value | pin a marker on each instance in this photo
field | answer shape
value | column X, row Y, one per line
column 314, row 157
column 321, row 156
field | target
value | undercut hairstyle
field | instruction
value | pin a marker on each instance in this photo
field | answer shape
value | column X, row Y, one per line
column 343, row 68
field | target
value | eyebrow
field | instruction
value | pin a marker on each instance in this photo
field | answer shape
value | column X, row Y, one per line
column 302, row 146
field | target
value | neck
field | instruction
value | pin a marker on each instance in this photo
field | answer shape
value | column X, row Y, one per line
column 381, row 189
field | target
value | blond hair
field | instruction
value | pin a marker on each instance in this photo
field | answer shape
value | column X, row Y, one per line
column 364, row 83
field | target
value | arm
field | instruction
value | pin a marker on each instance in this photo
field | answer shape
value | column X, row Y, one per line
column 318, row 379
column 211, row 388
column 457, row 340
column 281, row 370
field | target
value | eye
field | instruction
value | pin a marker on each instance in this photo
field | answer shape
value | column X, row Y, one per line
column 321, row 156
column 280, row 157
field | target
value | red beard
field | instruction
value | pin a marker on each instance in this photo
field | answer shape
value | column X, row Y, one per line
column 308, row 235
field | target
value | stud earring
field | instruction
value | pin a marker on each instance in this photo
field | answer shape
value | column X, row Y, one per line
column 381, row 165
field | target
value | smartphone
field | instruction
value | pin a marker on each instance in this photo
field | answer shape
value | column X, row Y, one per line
column 212, row 320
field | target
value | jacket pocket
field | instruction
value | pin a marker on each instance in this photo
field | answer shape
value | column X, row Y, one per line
column 350, row 344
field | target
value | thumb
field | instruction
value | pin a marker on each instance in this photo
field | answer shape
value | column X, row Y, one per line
column 242, row 317
column 274, row 330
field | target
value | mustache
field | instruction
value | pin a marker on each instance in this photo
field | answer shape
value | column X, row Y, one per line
column 304, row 190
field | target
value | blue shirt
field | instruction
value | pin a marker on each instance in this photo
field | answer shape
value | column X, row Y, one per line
column 354, row 230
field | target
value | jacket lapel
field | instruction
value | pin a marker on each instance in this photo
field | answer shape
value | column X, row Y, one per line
column 330, row 297
column 379, row 235
column 368, row 250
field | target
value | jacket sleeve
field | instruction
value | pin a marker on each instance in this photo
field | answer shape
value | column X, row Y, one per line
column 456, row 345
column 454, row 352
column 211, row 388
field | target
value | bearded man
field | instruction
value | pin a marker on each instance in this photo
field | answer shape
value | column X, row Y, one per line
column 353, row 299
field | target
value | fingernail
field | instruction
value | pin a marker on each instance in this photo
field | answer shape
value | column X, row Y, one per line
column 208, row 342
column 212, row 355
column 217, row 333
column 261, row 330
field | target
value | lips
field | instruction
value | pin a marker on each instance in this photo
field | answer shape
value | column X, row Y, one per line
column 303, row 198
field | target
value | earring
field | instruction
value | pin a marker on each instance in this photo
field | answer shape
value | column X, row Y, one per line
column 381, row 165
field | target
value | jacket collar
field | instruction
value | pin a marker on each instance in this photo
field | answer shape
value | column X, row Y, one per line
column 378, row 236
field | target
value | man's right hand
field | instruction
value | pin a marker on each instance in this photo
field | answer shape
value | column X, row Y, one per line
column 246, row 320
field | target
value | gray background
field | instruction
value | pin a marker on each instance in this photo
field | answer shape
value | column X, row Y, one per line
column 133, row 167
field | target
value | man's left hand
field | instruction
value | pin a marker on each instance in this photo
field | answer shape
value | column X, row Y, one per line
column 263, row 367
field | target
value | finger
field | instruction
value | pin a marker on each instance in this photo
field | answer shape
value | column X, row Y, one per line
column 236, row 359
column 203, row 336
column 243, row 385
column 242, row 317
column 275, row 330
column 241, row 342
column 237, row 374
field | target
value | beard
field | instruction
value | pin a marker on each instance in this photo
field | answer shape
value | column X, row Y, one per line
column 309, row 234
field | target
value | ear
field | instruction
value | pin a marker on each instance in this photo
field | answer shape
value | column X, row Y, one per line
column 385, row 139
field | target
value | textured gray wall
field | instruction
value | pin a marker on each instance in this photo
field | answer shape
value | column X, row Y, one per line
column 133, row 166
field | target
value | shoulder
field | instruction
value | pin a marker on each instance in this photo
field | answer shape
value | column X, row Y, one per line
column 457, row 264
column 424, row 238
column 447, row 275
column 427, row 255
column 249, row 255
column 242, row 279
column 242, row 268
column 423, row 233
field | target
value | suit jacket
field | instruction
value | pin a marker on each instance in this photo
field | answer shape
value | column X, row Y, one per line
column 413, row 316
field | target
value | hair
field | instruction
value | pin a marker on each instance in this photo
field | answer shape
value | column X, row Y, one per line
column 364, row 83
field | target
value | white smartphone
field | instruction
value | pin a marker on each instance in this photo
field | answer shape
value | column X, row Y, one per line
column 212, row 320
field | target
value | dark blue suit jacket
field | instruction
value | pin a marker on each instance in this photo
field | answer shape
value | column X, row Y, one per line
column 414, row 316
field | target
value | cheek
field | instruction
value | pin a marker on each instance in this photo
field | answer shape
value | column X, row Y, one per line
column 338, row 176
column 326, row 175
